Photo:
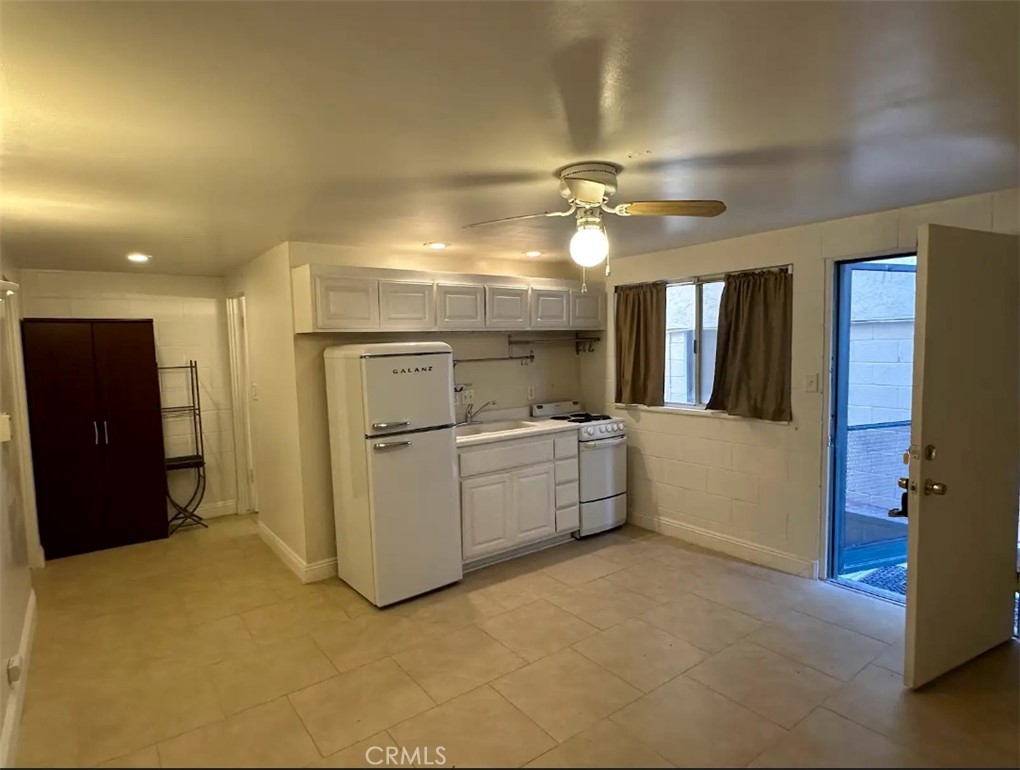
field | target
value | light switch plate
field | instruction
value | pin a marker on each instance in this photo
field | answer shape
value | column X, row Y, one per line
column 5, row 427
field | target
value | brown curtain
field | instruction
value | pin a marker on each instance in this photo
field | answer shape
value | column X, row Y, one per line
column 752, row 360
column 640, row 343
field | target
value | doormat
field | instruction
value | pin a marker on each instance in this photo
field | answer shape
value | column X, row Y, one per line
column 892, row 579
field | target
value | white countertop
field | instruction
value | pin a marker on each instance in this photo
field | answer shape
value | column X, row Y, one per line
column 534, row 427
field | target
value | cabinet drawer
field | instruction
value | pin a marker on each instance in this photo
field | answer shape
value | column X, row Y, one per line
column 566, row 445
column 566, row 470
column 568, row 519
column 501, row 456
column 566, row 494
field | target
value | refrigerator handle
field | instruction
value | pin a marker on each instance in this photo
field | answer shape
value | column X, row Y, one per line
column 390, row 445
column 390, row 425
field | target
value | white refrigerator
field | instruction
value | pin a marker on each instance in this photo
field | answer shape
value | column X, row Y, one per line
column 394, row 460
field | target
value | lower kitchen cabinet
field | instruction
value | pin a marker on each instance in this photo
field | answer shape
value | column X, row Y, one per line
column 485, row 505
column 534, row 511
column 502, row 510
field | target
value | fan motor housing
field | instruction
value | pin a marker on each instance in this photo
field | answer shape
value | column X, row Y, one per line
column 588, row 183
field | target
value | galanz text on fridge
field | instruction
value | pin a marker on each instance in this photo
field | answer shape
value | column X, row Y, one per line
column 413, row 370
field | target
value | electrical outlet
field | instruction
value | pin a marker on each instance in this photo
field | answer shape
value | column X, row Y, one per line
column 811, row 383
column 531, row 393
column 468, row 396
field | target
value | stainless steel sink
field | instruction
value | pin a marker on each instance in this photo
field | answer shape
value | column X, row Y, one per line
column 497, row 426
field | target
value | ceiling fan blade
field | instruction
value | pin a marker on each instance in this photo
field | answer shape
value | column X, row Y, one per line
column 522, row 216
column 670, row 209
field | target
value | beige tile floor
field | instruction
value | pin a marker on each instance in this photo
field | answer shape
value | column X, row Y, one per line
column 629, row 649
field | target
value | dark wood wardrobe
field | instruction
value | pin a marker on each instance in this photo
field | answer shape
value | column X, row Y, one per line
column 97, row 433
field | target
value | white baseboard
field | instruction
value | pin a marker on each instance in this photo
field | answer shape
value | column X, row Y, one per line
column 16, row 701
column 729, row 545
column 213, row 510
column 306, row 572
column 320, row 570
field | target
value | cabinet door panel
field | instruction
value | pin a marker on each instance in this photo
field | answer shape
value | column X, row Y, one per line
column 486, row 508
column 587, row 310
column 407, row 305
column 65, row 440
column 346, row 303
column 506, row 307
column 131, row 431
column 461, row 307
column 550, row 308
column 535, row 501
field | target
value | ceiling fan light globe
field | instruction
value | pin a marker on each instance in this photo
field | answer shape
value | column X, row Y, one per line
column 589, row 246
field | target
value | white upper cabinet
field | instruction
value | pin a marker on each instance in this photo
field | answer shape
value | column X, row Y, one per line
column 407, row 305
column 460, row 306
column 550, row 308
column 337, row 298
column 587, row 310
column 346, row 303
column 506, row 307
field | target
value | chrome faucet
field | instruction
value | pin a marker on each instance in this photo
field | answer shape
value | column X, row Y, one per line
column 470, row 413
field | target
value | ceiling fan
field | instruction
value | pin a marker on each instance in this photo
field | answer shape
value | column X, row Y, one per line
column 587, row 188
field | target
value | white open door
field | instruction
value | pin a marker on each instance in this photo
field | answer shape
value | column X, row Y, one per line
column 965, row 449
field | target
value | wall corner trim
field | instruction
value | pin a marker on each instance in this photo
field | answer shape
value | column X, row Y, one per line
column 731, row 546
column 16, row 702
column 306, row 572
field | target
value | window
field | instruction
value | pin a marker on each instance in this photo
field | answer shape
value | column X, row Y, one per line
column 692, row 325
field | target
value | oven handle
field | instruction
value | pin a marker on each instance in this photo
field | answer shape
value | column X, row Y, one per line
column 603, row 443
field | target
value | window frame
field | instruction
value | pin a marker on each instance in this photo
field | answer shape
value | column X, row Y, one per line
column 698, row 282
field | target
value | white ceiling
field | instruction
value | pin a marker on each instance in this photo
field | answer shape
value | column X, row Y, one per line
column 204, row 133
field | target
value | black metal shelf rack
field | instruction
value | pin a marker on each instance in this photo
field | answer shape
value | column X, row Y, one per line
column 185, row 513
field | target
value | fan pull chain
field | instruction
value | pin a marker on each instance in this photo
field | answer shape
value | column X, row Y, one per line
column 609, row 270
column 584, row 285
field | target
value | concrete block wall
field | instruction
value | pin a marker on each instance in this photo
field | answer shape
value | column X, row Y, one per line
column 881, row 371
column 676, row 366
column 189, row 315
column 746, row 487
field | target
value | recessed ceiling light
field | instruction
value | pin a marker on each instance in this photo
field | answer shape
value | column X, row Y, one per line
column 533, row 254
column 436, row 245
column 136, row 257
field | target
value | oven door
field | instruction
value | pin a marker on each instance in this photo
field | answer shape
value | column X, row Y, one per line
column 603, row 468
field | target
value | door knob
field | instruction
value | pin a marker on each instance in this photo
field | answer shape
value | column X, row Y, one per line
column 903, row 482
column 934, row 487
column 896, row 513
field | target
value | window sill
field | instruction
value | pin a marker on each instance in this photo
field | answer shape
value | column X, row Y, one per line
column 694, row 411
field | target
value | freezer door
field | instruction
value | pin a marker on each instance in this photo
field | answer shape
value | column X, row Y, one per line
column 405, row 393
column 415, row 513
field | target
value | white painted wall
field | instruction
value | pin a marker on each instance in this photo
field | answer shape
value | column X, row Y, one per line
column 295, row 493
column 16, row 598
column 189, row 316
column 748, row 487
column 265, row 283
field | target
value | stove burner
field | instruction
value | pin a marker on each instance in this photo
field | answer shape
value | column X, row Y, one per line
column 582, row 417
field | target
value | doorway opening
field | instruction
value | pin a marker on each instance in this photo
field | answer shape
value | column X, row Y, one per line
column 240, row 387
column 872, row 379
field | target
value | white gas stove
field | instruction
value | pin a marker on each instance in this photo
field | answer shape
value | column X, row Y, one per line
column 602, row 464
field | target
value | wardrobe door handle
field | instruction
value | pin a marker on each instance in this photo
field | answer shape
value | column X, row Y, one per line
column 106, row 433
column 95, row 431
